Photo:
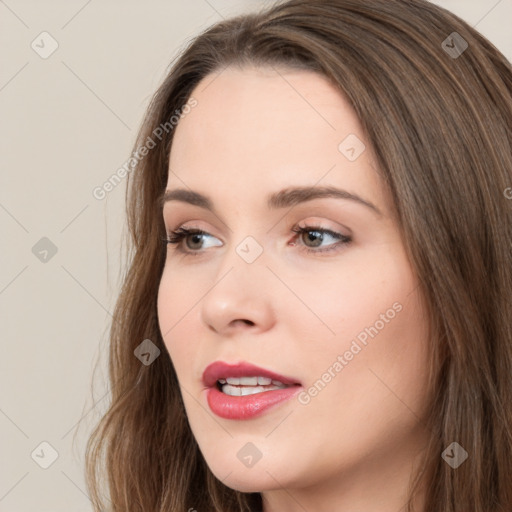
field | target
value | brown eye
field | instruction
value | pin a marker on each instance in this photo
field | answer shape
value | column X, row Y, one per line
column 193, row 238
column 312, row 238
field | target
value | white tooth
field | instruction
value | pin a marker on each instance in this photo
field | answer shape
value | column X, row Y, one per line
column 264, row 381
column 249, row 390
column 233, row 380
column 248, row 381
column 222, row 381
column 277, row 383
column 231, row 390
column 252, row 390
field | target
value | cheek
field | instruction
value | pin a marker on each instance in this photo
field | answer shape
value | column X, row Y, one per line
column 367, row 396
column 353, row 299
column 175, row 307
column 377, row 339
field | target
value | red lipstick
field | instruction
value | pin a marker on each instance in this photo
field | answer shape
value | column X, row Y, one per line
column 243, row 391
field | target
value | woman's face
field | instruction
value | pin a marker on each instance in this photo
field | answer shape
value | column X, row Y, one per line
column 334, row 309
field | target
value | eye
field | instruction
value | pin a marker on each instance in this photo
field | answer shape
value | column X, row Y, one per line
column 317, row 235
column 193, row 239
column 190, row 241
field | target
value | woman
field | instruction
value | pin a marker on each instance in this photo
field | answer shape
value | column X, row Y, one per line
column 317, row 315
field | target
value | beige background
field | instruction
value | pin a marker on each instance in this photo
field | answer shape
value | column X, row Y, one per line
column 68, row 123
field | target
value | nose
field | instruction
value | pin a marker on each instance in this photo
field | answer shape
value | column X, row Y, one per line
column 240, row 299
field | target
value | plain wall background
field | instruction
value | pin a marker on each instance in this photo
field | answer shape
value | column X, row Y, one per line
column 68, row 123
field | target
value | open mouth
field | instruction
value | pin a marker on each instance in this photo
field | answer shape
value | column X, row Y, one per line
column 242, row 390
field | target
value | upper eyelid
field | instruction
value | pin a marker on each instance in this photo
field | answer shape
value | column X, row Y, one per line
column 310, row 223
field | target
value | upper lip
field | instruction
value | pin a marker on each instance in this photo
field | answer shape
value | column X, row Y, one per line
column 221, row 370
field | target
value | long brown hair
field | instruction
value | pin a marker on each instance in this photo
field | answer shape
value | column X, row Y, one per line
column 439, row 117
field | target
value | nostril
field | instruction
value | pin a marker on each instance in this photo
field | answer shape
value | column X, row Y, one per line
column 243, row 320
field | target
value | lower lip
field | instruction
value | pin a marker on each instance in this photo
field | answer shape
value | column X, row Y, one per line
column 248, row 406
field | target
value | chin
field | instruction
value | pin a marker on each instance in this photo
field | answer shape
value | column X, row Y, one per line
column 245, row 480
column 237, row 476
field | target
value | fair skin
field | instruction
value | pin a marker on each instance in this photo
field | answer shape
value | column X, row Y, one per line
column 353, row 445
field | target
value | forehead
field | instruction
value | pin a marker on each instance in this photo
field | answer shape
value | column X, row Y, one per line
column 260, row 129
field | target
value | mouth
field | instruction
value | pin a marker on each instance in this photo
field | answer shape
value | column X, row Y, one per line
column 243, row 390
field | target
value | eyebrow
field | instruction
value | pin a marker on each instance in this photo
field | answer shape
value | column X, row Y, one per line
column 286, row 198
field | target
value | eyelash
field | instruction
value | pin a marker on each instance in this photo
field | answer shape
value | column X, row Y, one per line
column 177, row 236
